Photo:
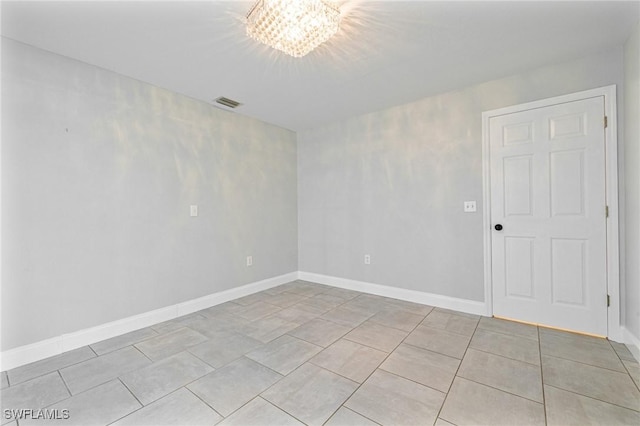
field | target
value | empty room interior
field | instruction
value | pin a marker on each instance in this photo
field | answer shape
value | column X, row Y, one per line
column 322, row 213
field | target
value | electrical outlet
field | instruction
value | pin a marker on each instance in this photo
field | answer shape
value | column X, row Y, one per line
column 194, row 210
column 469, row 206
column 249, row 260
column 367, row 259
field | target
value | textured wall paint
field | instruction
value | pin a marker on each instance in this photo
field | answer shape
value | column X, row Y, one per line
column 98, row 172
column 632, row 182
column 392, row 183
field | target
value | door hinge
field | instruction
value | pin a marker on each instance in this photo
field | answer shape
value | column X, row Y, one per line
column 608, row 300
column 606, row 211
column 606, row 122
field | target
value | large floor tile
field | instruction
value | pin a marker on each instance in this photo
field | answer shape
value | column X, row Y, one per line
column 346, row 317
column 257, row 310
column 314, row 308
column 296, row 315
column 320, row 332
column 395, row 317
column 233, row 385
column 509, row 327
column 318, row 307
column 451, row 322
column 307, row 292
column 623, row 351
column 568, row 408
column 346, row 417
column 259, row 412
column 224, row 349
column 47, row 365
column 252, row 298
column 595, row 382
column 328, row 300
column 177, row 323
column 268, row 329
column 367, row 304
column 411, row 307
column 377, row 336
column 341, row 292
column 212, row 327
column 178, row 408
column 288, row 287
column 470, row 403
column 98, row 406
column 307, row 289
column 581, row 350
column 509, row 346
column 35, row 393
column 462, row 314
column 437, row 340
column 163, row 377
column 311, row 394
column 226, row 308
column 284, row 300
column 284, row 354
column 509, row 375
column 393, row 400
column 95, row 371
column 349, row 359
column 634, row 371
column 171, row 343
column 123, row 340
column 423, row 366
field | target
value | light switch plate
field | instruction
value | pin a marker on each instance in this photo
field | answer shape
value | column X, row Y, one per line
column 194, row 210
column 469, row 206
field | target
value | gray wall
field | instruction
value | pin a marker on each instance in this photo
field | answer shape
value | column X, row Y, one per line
column 392, row 183
column 632, row 181
column 98, row 172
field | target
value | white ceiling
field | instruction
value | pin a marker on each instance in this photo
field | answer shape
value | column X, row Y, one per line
column 386, row 53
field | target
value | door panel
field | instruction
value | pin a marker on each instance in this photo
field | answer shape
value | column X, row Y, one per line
column 568, row 126
column 567, row 183
column 519, row 255
column 517, row 185
column 548, row 192
column 568, row 271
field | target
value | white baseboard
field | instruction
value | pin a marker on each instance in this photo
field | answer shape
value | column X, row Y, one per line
column 440, row 301
column 40, row 350
column 36, row 351
column 632, row 342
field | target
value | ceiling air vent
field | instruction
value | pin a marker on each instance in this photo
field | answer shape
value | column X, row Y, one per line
column 228, row 102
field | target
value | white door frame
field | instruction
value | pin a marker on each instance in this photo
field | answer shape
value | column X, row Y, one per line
column 611, row 139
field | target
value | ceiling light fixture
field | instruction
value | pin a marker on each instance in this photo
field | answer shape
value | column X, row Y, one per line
column 295, row 27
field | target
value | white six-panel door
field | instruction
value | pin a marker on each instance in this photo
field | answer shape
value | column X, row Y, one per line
column 547, row 179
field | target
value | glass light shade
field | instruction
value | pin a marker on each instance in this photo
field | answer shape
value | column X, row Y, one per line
column 295, row 27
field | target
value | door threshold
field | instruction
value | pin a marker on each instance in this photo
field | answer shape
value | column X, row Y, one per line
column 551, row 327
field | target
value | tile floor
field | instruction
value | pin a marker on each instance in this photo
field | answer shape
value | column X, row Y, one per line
column 305, row 353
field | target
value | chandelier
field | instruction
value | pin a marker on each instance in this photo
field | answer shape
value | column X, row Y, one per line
column 295, row 27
